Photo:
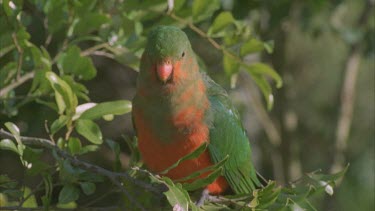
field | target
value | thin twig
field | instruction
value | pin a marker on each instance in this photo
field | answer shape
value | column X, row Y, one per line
column 20, row 56
column 92, row 49
column 21, row 80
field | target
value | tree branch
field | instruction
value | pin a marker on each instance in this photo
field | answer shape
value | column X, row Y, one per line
column 115, row 177
column 21, row 80
column 352, row 66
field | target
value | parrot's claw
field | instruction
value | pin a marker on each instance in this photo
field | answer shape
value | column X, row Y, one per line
column 205, row 195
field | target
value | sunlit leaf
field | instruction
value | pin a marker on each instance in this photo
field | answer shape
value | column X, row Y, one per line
column 90, row 130
column 31, row 201
column 115, row 107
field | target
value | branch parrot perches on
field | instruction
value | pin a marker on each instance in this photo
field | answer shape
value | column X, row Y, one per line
column 177, row 108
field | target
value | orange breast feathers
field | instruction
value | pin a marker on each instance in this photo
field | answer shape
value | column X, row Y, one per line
column 159, row 155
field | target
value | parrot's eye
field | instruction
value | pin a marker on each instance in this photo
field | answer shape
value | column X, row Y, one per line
column 183, row 54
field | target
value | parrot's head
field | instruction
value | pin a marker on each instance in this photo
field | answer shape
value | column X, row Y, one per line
column 168, row 58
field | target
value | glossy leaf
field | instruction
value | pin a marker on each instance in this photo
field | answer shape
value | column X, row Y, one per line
column 90, row 130
column 115, row 107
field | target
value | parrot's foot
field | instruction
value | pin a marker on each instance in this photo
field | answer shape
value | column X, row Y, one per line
column 205, row 195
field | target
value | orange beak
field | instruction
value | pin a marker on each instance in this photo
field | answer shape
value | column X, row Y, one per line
column 164, row 71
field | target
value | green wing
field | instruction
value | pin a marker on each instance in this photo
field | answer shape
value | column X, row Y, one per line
column 227, row 137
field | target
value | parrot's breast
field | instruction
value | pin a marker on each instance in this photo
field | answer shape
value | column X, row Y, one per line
column 166, row 137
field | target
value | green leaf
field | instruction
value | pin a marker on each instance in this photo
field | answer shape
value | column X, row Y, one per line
column 264, row 87
column 59, row 123
column 176, row 195
column 264, row 69
column 251, row 46
column 231, row 66
column 203, row 9
column 31, row 201
column 65, row 98
column 68, row 193
column 90, row 130
column 16, row 133
column 202, row 182
column 7, row 144
column 88, row 148
column 190, row 156
column 269, row 45
column 6, row 182
column 69, row 206
column 223, row 20
column 72, row 62
column 200, row 172
column 89, row 22
column 115, row 107
column 115, row 147
column 14, row 130
column 48, row 184
column 82, row 108
column 74, row 145
column 88, row 188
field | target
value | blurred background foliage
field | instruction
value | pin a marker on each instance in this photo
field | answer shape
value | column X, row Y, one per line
column 321, row 118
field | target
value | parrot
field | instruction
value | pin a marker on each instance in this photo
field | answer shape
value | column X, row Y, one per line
column 177, row 107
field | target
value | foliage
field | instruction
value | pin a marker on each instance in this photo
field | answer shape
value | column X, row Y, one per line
column 50, row 68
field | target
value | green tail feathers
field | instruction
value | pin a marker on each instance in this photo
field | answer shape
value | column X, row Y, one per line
column 227, row 137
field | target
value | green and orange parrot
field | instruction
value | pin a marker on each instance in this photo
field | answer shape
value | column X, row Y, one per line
column 177, row 108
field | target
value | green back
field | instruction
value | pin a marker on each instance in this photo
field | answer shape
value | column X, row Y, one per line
column 227, row 137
